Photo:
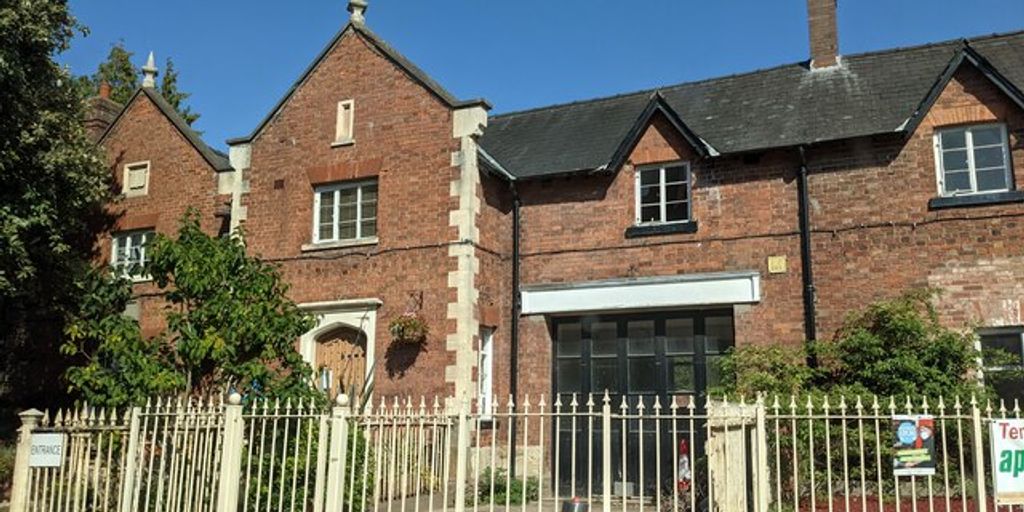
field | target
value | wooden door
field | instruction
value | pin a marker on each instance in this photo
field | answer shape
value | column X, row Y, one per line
column 341, row 360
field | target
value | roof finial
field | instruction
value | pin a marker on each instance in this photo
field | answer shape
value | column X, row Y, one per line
column 149, row 72
column 358, row 10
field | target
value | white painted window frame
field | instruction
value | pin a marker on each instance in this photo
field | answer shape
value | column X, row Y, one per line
column 121, row 237
column 637, row 205
column 343, row 127
column 940, row 174
column 126, row 172
column 485, row 373
column 336, row 188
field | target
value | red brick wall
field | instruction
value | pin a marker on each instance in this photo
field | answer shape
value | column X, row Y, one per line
column 574, row 230
column 875, row 236
column 179, row 178
column 403, row 135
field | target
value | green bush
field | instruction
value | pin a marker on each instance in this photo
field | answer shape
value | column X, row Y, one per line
column 505, row 489
column 7, row 452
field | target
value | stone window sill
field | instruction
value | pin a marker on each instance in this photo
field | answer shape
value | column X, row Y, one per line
column 344, row 244
column 661, row 229
column 343, row 143
column 1010, row 196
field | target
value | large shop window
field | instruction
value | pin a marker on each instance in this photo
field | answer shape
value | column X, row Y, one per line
column 675, row 353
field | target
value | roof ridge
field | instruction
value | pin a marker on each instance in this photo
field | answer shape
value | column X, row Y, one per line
column 803, row 63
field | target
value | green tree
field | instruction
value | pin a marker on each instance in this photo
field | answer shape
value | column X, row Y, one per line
column 124, row 78
column 229, row 324
column 893, row 347
column 176, row 97
column 54, row 184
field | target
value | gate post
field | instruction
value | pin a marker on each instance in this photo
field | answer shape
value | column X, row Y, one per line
column 978, row 447
column 128, row 472
column 337, row 451
column 19, row 485
column 231, row 455
column 761, row 477
column 461, row 454
column 606, row 449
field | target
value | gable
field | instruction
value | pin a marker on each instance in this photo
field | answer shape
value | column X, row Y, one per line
column 660, row 142
column 218, row 161
column 359, row 31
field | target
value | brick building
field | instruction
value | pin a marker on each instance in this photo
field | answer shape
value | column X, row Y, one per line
column 621, row 243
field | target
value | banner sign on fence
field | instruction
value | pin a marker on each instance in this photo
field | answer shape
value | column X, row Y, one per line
column 914, row 445
column 47, row 450
column 1008, row 461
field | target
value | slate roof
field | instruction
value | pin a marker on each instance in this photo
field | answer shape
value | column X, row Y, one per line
column 400, row 60
column 789, row 105
column 216, row 159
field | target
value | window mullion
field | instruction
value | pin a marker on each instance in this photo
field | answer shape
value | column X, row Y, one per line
column 335, row 221
column 663, row 199
column 359, row 212
column 972, row 172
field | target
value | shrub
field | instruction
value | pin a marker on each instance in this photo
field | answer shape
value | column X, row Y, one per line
column 512, row 490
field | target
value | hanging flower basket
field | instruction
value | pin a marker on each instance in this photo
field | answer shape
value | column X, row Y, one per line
column 408, row 328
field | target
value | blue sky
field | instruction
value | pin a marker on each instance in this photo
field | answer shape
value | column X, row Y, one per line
column 237, row 57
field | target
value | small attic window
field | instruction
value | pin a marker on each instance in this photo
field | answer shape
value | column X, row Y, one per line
column 135, row 181
column 343, row 128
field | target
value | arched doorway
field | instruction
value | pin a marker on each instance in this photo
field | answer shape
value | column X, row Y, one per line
column 341, row 360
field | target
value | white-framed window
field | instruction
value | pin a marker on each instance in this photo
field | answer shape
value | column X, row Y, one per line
column 972, row 160
column 135, row 179
column 1002, row 351
column 128, row 253
column 485, row 373
column 346, row 117
column 345, row 211
column 663, row 193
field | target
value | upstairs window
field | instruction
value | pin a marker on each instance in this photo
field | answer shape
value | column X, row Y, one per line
column 1002, row 350
column 343, row 128
column 135, row 181
column 663, row 194
column 128, row 253
column 345, row 212
column 973, row 160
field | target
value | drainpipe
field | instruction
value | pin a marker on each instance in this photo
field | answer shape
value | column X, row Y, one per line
column 513, row 357
column 806, row 265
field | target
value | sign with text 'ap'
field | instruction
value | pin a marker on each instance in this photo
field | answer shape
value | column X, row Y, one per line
column 47, row 450
column 1008, row 461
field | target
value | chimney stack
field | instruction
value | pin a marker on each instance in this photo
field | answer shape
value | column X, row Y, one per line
column 105, row 90
column 821, row 22
column 100, row 111
column 358, row 10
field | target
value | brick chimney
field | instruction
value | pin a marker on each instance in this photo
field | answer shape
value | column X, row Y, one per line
column 821, row 22
column 100, row 111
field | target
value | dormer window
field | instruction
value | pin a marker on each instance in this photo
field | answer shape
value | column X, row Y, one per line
column 135, row 181
column 343, row 128
column 663, row 194
column 972, row 160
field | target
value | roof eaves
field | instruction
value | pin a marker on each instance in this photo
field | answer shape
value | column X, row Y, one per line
column 964, row 53
column 393, row 55
column 655, row 105
column 494, row 164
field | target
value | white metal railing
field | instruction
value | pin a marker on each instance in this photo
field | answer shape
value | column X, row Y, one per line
column 627, row 454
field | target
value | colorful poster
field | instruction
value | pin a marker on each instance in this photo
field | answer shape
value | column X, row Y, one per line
column 914, row 445
column 1008, row 461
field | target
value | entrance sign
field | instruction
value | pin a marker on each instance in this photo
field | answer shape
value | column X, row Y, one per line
column 1008, row 461
column 914, row 444
column 47, row 450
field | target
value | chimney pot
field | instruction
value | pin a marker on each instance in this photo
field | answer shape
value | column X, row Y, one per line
column 821, row 22
column 105, row 90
